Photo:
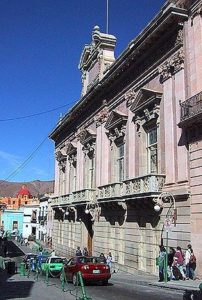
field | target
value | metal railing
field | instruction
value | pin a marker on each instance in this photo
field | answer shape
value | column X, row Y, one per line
column 191, row 107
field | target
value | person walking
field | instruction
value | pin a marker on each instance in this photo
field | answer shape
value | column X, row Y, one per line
column 85, row 251
column 109, row 260
column 170, row 262
column 78, row 251
column 102, row 258
column 179, row 261
column 161, row 262
column 190, row 262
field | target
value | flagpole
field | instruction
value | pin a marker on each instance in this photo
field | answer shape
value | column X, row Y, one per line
column 107, row 26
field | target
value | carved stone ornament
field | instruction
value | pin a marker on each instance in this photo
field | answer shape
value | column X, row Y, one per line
column 89, row 149
column 171, row 66
column 72, row 159
column 180, row 37
column 62, row 165
column 61, row 158
column 101, row 116
column 116, row 133
column 130, row 97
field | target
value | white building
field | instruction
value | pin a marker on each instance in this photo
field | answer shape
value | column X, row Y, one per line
column 30, row 221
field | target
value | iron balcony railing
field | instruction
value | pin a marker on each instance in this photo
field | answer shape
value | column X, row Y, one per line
column 191, row 108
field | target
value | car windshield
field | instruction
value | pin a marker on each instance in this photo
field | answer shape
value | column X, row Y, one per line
column 29, row 256
column 56, row 260
column 93, row 259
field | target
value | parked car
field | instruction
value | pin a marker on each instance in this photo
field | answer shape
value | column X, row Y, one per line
column 93, row 269
column 54, row 264
column 28, row 258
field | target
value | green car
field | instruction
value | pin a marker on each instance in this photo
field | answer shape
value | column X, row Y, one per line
column 53, row 265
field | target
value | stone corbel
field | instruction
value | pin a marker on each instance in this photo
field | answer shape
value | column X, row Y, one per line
column 89, row 148
column 172, row 66
column 62, row 165
column 180, row 37
column 102, row 117
column 177, row 62
column 130, row 97
column 72, row 159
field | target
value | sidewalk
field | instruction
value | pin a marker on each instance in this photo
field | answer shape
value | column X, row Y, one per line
column 152, row 280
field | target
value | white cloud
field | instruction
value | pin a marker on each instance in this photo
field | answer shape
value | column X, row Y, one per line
column 11, row 159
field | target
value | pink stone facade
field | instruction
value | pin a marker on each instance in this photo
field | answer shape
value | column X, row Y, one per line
column 130, row 138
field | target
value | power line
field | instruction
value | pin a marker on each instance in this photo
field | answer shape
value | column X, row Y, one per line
column 26, row 161
column 36, row 114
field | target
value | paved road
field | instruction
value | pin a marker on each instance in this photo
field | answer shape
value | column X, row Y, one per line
column 122, row 286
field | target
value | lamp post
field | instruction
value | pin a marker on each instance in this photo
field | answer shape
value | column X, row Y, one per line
column 171, row 217
column 94, row 210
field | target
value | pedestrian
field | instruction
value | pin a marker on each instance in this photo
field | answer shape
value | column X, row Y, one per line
column 103, row 258
column 5, row 249
column 85, row 251
column 78, row 251
column 53, row 253
column 109, row 260
column 179, row 261
column 170, row 262
column 190, row 262
column 2, row 264
column 161, row 262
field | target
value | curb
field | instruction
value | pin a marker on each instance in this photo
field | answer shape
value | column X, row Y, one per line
column 172, row 287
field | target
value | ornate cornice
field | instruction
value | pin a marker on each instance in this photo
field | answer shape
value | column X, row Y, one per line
column 171, row 66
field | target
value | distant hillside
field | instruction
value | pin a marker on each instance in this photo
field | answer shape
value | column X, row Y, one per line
column 37, row 187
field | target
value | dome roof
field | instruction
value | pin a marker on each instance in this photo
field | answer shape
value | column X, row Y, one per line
column 24, row 192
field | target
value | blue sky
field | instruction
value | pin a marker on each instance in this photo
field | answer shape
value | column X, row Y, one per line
column 40, row 48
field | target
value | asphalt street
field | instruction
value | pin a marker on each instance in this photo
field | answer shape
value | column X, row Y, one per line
column 122, row 286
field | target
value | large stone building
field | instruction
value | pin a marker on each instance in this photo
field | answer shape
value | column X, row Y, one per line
column 134, row 134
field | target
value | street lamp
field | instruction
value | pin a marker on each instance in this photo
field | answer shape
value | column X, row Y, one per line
column 171, row 217
column 94, row 210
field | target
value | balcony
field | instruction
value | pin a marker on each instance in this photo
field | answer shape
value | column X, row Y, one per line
column 61, row 200
column 110, row 191
column 84, row 195
column 191, row 111
column 148, row 185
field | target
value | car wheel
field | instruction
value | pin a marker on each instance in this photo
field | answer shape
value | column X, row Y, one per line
column 74, row 279
column 105, row 282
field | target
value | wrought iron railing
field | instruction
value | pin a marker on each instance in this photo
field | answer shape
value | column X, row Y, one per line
column 191, row 107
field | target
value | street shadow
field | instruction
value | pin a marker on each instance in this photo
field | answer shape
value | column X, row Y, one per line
column 192, row 295
column 10, row 288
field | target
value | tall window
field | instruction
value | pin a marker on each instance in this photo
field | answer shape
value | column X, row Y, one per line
column 15, row 225
column 120, row 161
column 89, row 170
column 89, row 178
column 72, row 173
column 152, row 150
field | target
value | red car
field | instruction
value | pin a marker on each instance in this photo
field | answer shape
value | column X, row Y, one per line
column 92, row 268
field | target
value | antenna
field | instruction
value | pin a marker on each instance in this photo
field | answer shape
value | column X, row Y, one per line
column 107, row 25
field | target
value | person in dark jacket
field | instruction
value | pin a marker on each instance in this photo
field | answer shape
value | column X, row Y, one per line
column 78, row 251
